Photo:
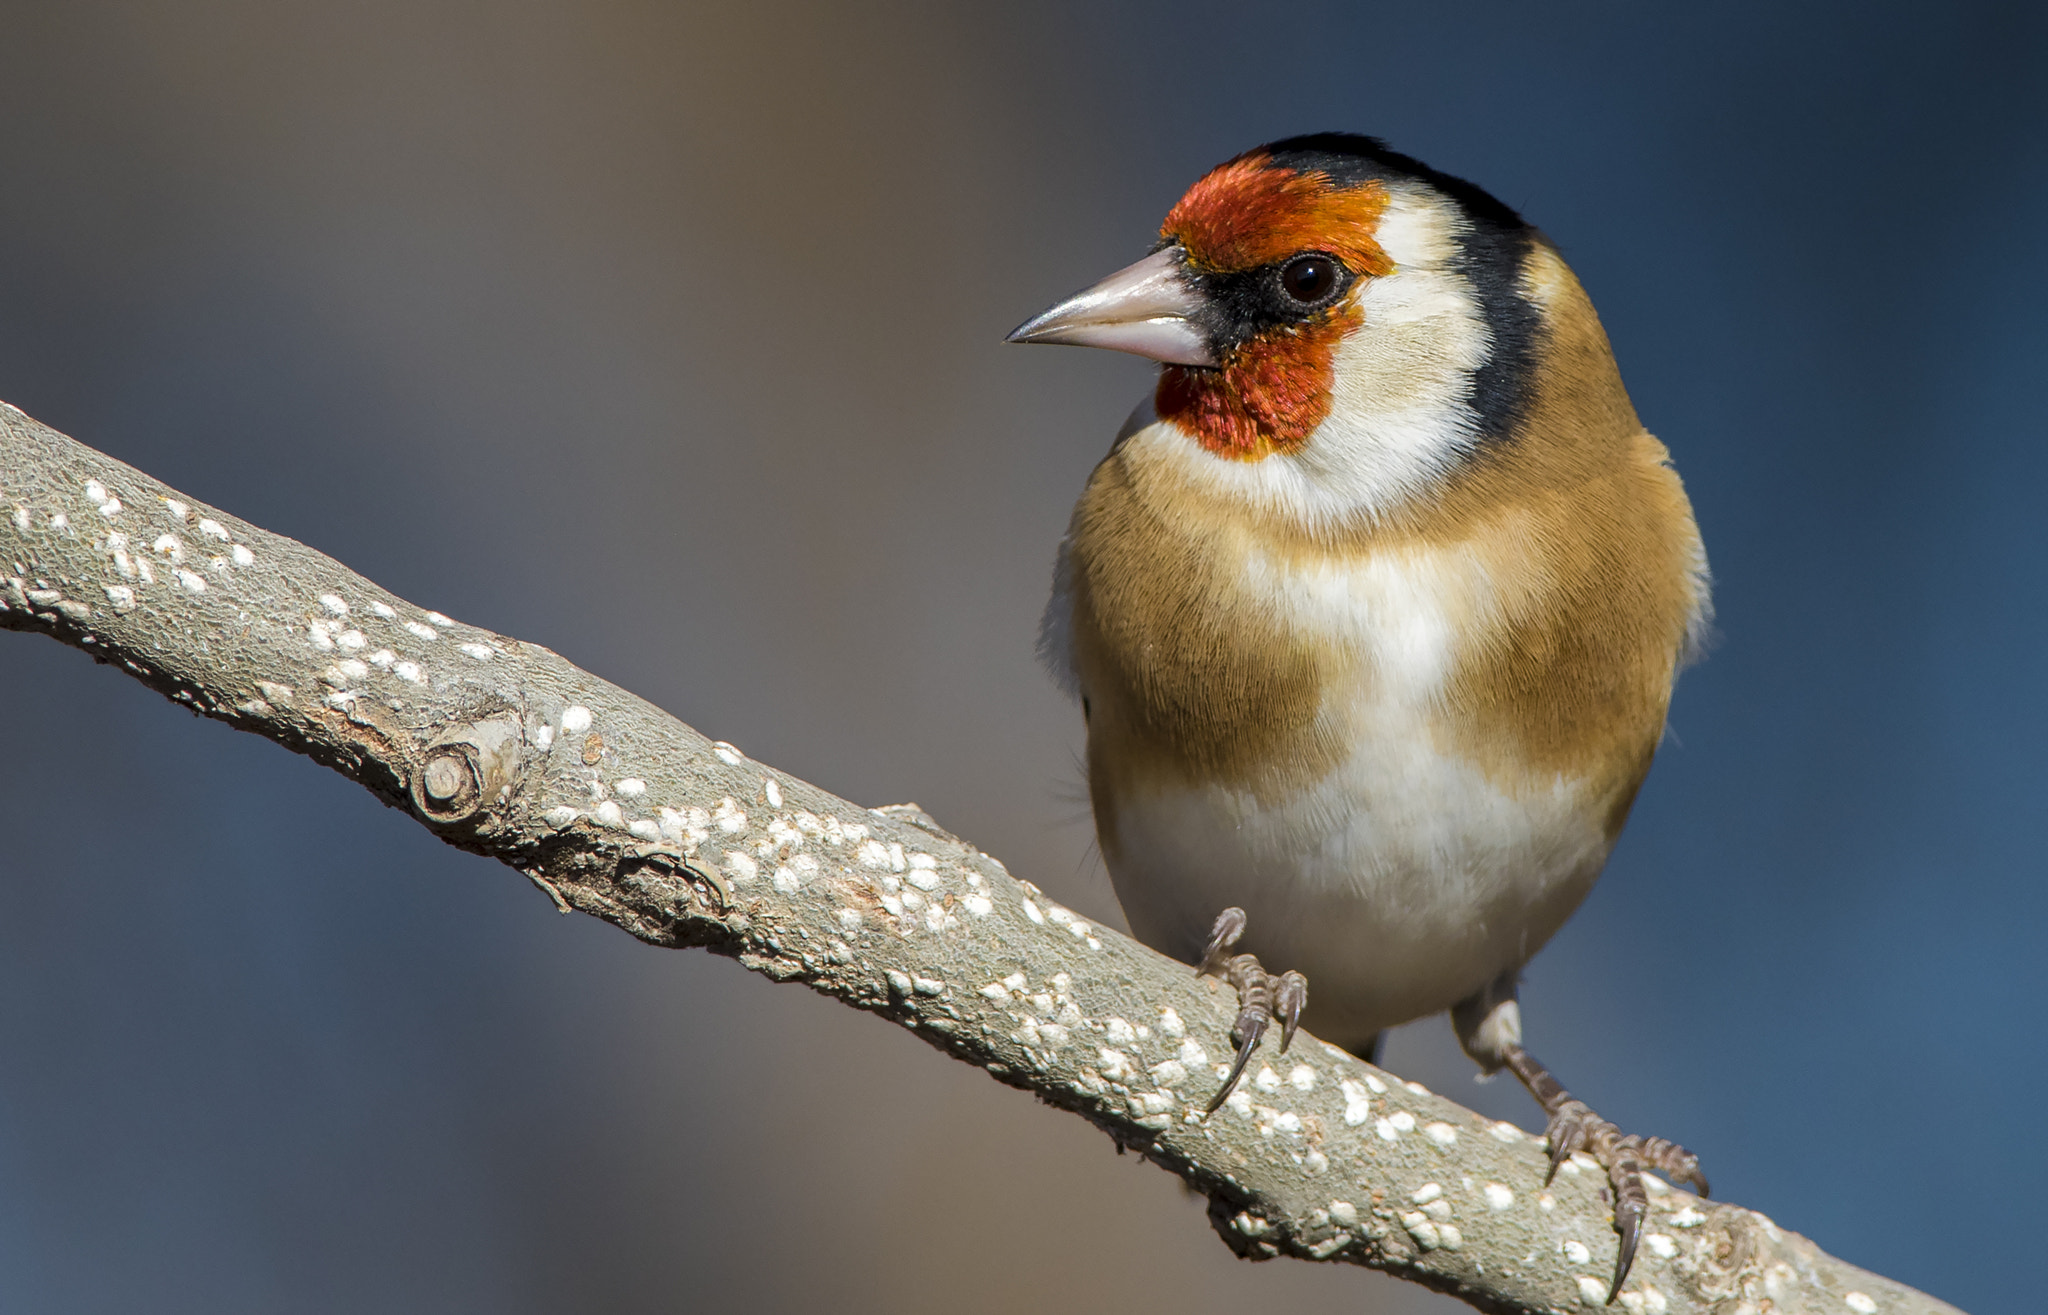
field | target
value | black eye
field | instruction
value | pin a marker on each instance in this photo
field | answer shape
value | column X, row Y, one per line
column 1309, row 279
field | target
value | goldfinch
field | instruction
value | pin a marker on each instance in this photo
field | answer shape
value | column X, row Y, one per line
column 1374, row 607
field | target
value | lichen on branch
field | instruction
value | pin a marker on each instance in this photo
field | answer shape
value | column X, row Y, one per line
column 617, row 809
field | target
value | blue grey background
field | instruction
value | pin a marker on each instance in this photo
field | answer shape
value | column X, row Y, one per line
column 668, row 336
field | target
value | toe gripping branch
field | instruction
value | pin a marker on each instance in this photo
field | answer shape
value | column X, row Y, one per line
column 1575, row 1127
column 1261, row 997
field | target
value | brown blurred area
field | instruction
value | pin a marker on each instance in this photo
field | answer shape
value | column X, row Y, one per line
column 669, row 336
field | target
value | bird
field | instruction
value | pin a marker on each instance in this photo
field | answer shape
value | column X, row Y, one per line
column 1373, row 610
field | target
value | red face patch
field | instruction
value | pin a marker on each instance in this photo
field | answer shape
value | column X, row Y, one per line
column 1272, row 390
column 1249, row 213
column 1269, row 395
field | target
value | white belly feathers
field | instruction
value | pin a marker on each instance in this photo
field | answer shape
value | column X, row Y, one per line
column 1405, row 878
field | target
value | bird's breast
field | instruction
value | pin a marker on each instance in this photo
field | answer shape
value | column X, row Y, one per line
column 1375, row 837
column 1405, row 752
column 1330, row 685
column 1211, row 650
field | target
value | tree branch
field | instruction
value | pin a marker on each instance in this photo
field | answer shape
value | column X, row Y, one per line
column 617, row 809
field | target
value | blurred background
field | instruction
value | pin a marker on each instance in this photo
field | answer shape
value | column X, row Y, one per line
column 668, row 336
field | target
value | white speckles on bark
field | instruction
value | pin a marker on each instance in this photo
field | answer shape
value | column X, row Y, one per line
column 883, row 910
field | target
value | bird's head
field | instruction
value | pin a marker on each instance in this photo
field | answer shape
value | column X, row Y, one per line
column 1331, row 302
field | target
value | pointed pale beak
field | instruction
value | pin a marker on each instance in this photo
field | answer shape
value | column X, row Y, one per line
column 1149, row 309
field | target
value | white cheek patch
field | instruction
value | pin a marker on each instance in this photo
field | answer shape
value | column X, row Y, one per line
column 1399, row 415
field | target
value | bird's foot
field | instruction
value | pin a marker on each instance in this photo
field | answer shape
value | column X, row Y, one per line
column 1575, row 1127
column 1261, row 997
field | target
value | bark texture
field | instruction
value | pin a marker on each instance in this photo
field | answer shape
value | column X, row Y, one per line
column 617, row 809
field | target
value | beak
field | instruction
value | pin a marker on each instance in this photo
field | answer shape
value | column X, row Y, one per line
column 1149, row 309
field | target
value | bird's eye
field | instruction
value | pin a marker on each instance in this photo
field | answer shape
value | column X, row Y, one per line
column 1309, row 279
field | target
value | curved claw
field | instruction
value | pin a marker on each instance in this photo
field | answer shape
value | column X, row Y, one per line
column 1673, row 1161
column 1627, row 1157
column 1249, row 1028
column 1628, row 1221
column 1687, row 1170
column 1567, row 1135
column 1290, row 997
column 1227, row 931
column 1261, row 997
